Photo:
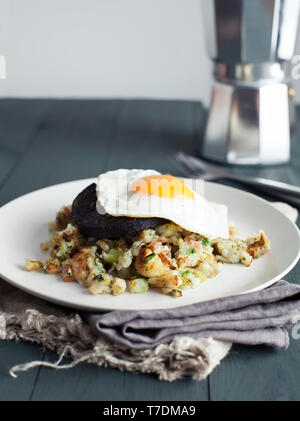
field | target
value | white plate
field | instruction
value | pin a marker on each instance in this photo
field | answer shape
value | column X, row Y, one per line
column 24, row 225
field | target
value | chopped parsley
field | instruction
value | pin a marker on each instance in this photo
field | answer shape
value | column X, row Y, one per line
column 186, row 273
column 98, row 278
column 149, row 257
column 63, row 252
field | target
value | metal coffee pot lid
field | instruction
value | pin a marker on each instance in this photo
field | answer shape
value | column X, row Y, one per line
column 251, row 31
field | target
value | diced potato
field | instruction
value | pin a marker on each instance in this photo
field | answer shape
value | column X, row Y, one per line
column 192, row 278
column 172, row 292
column 149, row 264
column 96, row 270
column 45, row 246
column 101, row 285
column 188, row 255
column 105, row 284
column 258, row 245
column 52, row 266
column 170, row 280
column 82, row 264
column 52, row 226
column 63, row 217
column 210, row 266
column 64, row 242
column 167, row 230
column 147, row 236
column 67, row 274
column 64, row 251
column 124, row 260
column 118, row 286
column 245, row 258
column 103, row 245
column 232, row 251
column 31, row 265
column 234, row 231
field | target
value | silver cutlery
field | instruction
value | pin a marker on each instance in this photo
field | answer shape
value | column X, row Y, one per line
column 197, row 168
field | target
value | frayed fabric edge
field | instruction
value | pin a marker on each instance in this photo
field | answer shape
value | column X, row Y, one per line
column 70, row 337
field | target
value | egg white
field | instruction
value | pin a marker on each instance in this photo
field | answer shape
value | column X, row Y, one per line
column 196, row 215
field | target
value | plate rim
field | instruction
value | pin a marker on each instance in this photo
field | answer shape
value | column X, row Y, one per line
column 67, row 304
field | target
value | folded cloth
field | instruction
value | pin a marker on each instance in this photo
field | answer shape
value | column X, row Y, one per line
column 259, row 317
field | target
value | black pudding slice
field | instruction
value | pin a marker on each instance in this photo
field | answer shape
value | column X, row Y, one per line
column 91, row 224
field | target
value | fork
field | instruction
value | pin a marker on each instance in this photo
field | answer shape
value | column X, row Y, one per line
column 196, row 168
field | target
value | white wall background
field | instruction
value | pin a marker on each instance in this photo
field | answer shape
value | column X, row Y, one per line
column 105, row 48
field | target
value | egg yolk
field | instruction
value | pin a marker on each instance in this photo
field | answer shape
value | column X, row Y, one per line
column 165, row 186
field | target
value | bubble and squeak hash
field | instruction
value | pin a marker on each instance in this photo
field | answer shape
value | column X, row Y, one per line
column 138, row 229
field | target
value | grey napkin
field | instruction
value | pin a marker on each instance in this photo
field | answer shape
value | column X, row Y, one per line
column 255, row 318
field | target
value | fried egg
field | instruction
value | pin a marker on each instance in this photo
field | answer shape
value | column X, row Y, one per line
column 147, row 193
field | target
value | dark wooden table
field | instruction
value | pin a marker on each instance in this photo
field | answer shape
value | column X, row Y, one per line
column 44, row 142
